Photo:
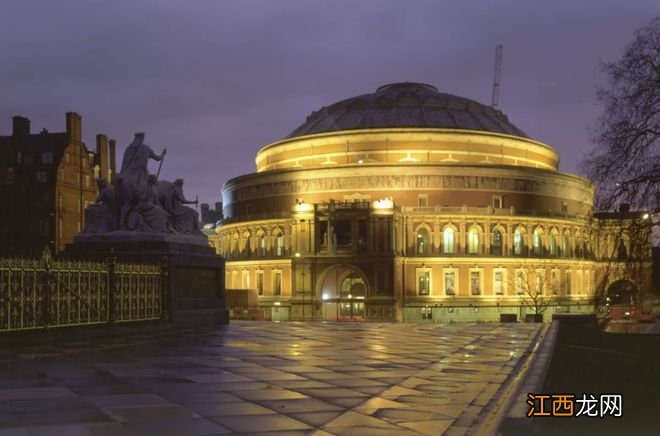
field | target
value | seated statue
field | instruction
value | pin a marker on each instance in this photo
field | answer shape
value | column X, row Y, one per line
column 182, row 219
column 101, row 217
column 145, row 215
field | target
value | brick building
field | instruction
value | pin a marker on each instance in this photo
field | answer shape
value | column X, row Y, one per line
column 46, row 181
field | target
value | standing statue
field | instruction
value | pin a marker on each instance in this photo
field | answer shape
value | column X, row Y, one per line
column 134, row 172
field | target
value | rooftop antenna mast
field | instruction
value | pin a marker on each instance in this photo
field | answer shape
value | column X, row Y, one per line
column 496, row 76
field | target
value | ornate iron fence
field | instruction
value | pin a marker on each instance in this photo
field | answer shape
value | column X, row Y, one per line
column 56, row 293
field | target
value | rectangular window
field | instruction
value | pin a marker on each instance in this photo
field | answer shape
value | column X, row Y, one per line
column 498, row 281
column 260, row 282
column 567, row 283
column 450, row 282
column 554, row 281
column 497, row 202
column 87, row 181
column 422, row 200
column 564, row 207
column 277, row 282
column 41, row 177
column 47, row 158
column 539, row 282
column 521, row 277
column 245, row 279
column 427, row 313
column 475, row 282
column 423, row 281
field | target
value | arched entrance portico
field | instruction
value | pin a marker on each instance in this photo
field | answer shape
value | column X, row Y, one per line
column 622, row 292
column 343, row 289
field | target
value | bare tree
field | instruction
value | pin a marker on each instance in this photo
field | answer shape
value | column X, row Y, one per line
column 535, row 288
column 625, row 164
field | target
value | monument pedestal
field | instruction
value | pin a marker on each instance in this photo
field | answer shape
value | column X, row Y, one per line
column 196, row 274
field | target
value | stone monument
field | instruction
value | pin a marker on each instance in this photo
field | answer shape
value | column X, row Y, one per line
column 142, row 219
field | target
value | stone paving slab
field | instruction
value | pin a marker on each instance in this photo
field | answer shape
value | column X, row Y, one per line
column 263, row 378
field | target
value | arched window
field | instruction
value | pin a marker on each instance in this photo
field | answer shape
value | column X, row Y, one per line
column 422, row 241
column 517, row 243
column 353, row 286
column 262, row 246
column 279, row 245
column 565, row 246
column 247, row 247
column 553, row 244
column 496, row 246
column 536, row 242
column 473, row 241
column 448, row 241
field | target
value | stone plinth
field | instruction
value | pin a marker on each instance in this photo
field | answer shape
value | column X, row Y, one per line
column 196, row 275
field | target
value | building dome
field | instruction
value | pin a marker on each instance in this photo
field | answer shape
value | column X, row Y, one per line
column 406, row 104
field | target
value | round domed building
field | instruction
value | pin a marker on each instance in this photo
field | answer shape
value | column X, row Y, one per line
column 408, row 204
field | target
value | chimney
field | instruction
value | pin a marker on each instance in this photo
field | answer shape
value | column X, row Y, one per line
column 112, row 163
column 73, row 126
column 20, row 126
column 102, row 154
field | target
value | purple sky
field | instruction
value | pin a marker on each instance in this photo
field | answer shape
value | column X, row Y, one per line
column 213, row 81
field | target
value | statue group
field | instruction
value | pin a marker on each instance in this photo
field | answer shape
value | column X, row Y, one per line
column 138, row 202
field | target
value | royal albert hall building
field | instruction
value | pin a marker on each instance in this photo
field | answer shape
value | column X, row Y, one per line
column 408, row 204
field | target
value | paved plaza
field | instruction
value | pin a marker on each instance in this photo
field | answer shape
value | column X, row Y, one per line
column 260, row 377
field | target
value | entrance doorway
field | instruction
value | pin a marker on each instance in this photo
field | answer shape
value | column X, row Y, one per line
column 343, row 291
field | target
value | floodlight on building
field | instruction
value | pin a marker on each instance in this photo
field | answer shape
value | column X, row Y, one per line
column 645, row 216
column 325, row 297
column 277, row 303
column 383, row 203
column 297, row 254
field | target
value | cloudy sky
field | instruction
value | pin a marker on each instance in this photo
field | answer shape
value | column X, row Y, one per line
column 213, row 81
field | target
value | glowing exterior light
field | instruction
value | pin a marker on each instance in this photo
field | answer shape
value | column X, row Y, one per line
column 297, row 255
column 277, row 303
column 325, row 296
column 645, row 216
column 360, row 161
column 383, row 203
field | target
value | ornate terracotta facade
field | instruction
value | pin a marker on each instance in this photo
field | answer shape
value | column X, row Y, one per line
column 408, row 204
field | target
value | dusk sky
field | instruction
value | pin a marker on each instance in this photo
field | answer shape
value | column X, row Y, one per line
column 213, row 81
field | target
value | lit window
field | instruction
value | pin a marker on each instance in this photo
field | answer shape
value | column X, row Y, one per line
column 450, row 282
column 475, row 282
column 473, row 241
column 554, row 281
column 422, row 241
column 517, row 243
column 448, row 241
column 521, row 276
column 553, row 244
column 536, row 242
column 277, row 283
column 496, row 248
column 423, row 282
column 498, row 281
column 234, row 279
column 87, row 181
column 260, row 282
column 279, row 245
column 427, row 313
column 262, row 246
